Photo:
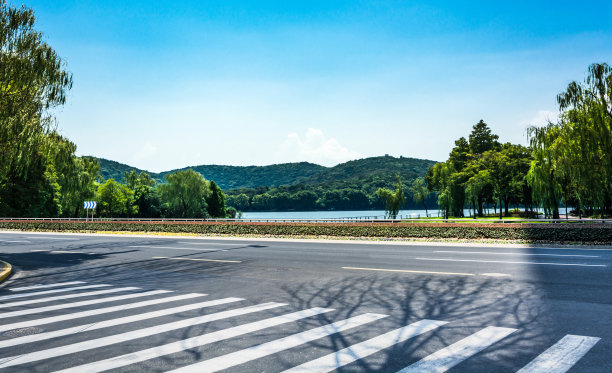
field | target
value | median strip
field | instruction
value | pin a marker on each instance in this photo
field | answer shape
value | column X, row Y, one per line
column 409, row 271
column 199, row 260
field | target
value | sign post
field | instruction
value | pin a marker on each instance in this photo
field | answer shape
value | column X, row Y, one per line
column 89, row 205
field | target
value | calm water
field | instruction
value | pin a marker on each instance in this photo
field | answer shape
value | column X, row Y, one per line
column 373, row 214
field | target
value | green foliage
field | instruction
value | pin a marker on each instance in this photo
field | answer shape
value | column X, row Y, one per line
column 419, row 192
column 216, row 201
column 573, row 158
column 185, row 194
column 580, row 233
column 33, row 158
column 394, row 201
column 481, row 172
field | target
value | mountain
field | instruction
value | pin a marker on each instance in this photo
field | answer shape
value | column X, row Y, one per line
column 115, row 170
column 384, row 167
column 232, row 177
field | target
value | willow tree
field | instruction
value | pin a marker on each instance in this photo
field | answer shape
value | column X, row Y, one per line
column 394, row 201
column 573, row 158
column 32, row 81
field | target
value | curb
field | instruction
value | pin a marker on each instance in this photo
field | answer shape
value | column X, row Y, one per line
column 6, row 271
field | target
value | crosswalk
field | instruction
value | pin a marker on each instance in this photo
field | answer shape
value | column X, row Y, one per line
column 47, row 328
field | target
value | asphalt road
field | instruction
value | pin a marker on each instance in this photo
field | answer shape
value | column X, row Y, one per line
column 88, row 303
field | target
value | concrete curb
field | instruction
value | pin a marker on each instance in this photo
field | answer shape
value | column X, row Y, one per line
column 6, row 270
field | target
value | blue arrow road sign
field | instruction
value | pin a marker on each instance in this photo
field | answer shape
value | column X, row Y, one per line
column 89, row 204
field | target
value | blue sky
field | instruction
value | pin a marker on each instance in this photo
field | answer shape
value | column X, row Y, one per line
column 164, row 84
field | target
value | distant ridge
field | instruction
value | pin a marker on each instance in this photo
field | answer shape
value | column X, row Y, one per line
column 232, row 177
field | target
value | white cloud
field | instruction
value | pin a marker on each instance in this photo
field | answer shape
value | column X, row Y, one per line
column 146, row 152
column 316, row 148
column 541, row 118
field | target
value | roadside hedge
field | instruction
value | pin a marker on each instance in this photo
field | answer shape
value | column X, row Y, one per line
column 587, row 233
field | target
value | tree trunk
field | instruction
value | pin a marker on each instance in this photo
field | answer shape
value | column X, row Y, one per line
column 500, row 209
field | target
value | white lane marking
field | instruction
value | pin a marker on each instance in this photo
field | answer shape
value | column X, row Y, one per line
column 517, row 253
column 97, row 311
column 67, row 252
column 174, row 248
column 408, row 271
column 62, row 290
column 198, row 259
column 60, row 297
column 493, row 274
column 562, row 355
column 361, row 350
column 214, row 243
column 114, row 322
column 16, row 241
column 272, row 347
column 128, row 336
column 200, row 340
column 509, row 262
column 41, row 286
column 50, row 238
column 448, row 357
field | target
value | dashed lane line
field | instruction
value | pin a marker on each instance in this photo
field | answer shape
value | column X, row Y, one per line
column 517, row 253
column 409, row 271
column 510, row 262
column 199, row 260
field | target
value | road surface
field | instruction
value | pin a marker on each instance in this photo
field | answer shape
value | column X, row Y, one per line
column 150, row 303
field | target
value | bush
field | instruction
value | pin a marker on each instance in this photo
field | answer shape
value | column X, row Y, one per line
column 587, row 233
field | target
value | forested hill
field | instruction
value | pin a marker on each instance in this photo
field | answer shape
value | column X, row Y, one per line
column 115, row 170
column 232, row 177
column 384, row 166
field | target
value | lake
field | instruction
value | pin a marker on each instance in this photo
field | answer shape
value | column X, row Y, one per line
column 371, row 214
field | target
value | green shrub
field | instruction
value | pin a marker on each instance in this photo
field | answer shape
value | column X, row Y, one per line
column 589, row 233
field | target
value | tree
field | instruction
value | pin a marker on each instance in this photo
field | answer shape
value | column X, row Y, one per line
column 481, row 138
column 32, row 81
column 216, row 201
column 185, row 193
column 420, row 192
column 394, row 201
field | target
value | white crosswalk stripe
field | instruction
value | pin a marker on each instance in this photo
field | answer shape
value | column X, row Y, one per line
column 448, row 357
column 200, row 340
column 76, row 315
column 37, row 345
column 46, row 286
column 358, row 351
column 127, row 336
column 256, row 352
column 114, row 322
column 562, row 356
column 62, row 290
column 60, row 297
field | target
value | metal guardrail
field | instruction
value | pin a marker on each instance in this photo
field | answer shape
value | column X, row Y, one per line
column 372, row 219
